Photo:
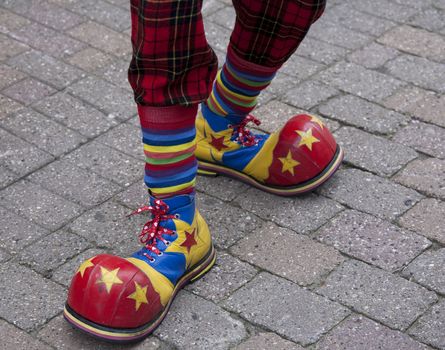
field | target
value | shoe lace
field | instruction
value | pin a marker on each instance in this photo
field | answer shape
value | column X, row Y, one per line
column 152, row 231
column 243, row 135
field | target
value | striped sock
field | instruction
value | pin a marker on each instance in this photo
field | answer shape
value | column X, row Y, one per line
column 168, row 134
column 237, row 87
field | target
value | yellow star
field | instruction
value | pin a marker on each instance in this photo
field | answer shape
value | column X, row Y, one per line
column 86, row 264
column 289, row 163
column 109, row 278
column 306, row 138
column 317, row 121
column 139, row 295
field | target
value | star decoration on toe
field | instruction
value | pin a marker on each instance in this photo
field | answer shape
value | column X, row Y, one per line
column 189, row 240
column 85, row 265
column 306, row 138
column 317, row 121
column 109, row 278
column 289, row 163
column 218, row 142
column 139, row 295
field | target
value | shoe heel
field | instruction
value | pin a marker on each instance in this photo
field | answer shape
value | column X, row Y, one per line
column 207, row 173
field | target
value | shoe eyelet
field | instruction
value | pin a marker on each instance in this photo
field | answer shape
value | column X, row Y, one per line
column 177, row 216
column 167, row 243
column 152, row 260
column 160, row 254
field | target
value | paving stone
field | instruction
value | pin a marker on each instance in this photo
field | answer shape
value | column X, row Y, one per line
column 218, row 37
column 29, row 292
column 62, row 336
column 426, row 138
column 221, row 187
column 74, row 183
column 107, row 162
column 10, row 47
column 194, row 322
column 321, row 51
column 103, row 12
column 301, row 68
column 292, row 256
column 272, row 302
column 426, row 175
column 350, row 18
column 105, row 96
column 10, row 22
column 301, row 214
column 108, row 224
column 309, row 94
column 44, row 12
column 14, row 338
column 358, row 333
column 426, row 218
column 228, row 223
column 65, row 272
column 427, row 270
column 373, row 56
column 6, row 176
column 48, row 40
column 37, row 204
column 28, row 91
column 9, row 76
column 267, row 341
column 274, row 114
column 385, row 9
column 59, row 247
column 19, row 156
column 43, row 132
column 46, row 68
column 335, row 33
column 211, row 6
column 373, row 240
column 134, row 196
column 226, row 276
column 89, row 59
column 93, row 33
column 8, row 106
column 429, row 328
column 4, row 256
column 17, row 231
column 421, row 104
column 363, row 114
column 369, row 193
column 419, row 71
column 416, row 41
column 414, row 3
column 224, row 17
column 125, row 138
column 116, row 72
column 359, row 81
column 75, row 114
column 281, row 84
column 373, row 153
column 378, row 294
column 431, row 19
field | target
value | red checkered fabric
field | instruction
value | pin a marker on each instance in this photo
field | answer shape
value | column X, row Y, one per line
column 172, row 62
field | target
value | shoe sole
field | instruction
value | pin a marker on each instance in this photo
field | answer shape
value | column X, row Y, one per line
column 210, row 169
column 126, row 335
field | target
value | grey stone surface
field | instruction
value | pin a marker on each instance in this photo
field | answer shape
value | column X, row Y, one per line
column 392, row 300
column 42, row 299
column 75, row 114
column 14, row 338
column 301, row 214
column 429, row 327
column 321, row 51
column 369, row 193
column 300, row 68
column 9, row 21
column 125, row 138
column 426, row 138
column 284, row 253
column 194, row 322
column 427, row 176
column 431, row 19
column 309, row 94
column 426, row 218
column 220, row 187
column 358, row 333
column 58, row 247
column 267, row 341
column 74, row 183
column 35, row 203
column 28, row 91
column 226, row 276
column 10, row 47
column 46, row 68
column 427, row 270
column 373, row 153
column 373, row 56
column 272, row 302
column 116, row 72
column 9, row 76
column 373, row 240
column 8, row 106
column 359, row 81
column 385, row 9
column 133, row 196
column 89, row 59
column 355, row 111
column 42, row 132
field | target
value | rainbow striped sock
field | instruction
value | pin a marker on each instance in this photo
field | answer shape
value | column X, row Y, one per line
column 237, row 87
column 169, row 138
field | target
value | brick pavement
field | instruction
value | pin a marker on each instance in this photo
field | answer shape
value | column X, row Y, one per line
column 357, row 265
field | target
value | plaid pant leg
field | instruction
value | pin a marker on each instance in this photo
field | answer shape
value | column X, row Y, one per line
column 172, row 63
column 267, row 33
